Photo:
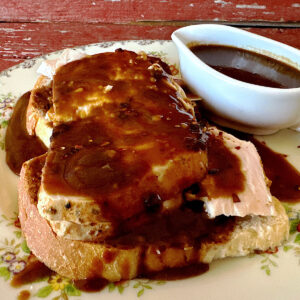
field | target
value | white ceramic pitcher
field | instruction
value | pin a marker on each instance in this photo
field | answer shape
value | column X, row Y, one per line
column 233, row 103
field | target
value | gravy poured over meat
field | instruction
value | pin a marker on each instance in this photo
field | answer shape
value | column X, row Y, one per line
column 116, row 151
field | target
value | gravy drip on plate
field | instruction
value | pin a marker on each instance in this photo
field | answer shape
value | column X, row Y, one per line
column 248, row 66
column 285, row 178
column 180, row 273
column 91, row 285
column 34, row 270
column 24, row 295
column 19, row 145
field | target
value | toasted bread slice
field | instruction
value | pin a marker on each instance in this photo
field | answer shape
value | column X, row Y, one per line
column 114, row 262
column 38, row 110
column 39, row 103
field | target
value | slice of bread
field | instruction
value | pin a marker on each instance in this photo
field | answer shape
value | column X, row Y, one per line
column 80, row 260
column 39, row 103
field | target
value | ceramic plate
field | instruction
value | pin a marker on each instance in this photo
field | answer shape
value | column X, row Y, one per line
column 263, row 276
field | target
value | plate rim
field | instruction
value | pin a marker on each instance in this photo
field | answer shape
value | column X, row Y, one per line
column 44, row 56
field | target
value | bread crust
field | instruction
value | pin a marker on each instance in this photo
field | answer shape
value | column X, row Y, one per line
column 80, row 260
column 32, row 114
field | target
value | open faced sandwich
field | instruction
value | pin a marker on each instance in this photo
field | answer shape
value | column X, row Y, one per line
column 132, row 182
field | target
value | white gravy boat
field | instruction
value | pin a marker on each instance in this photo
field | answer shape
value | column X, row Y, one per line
column 233, row 103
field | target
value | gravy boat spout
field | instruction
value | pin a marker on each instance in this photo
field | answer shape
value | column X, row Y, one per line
column 230, row 102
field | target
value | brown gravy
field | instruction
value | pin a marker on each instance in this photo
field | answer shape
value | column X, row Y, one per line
column 34, row 270
column 91, row 285
column 187, row 225
column 248, row 66
column 19, row 145
column 224, row 177
column 143, row 123
column 180, row 273
column 285, row 178
column 24, row 295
